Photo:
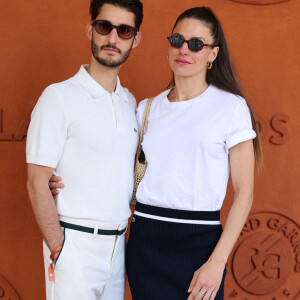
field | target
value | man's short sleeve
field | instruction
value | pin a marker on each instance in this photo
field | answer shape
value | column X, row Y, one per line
column 47, row 132
column 241, row 126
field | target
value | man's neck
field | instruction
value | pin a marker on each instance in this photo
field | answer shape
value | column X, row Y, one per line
column 106, row 77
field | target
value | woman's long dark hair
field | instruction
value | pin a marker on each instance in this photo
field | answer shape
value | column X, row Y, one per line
column 221, row 74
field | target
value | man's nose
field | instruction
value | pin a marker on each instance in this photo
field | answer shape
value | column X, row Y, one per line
column 113, row 36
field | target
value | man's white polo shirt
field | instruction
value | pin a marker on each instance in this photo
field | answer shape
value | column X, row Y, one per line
column 90, row 137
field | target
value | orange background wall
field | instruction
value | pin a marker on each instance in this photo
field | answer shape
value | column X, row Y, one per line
column 44, row 42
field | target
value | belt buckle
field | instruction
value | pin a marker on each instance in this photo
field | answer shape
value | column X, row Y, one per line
column 119, row 232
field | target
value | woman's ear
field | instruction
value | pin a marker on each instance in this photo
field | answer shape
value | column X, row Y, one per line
column 214, row 54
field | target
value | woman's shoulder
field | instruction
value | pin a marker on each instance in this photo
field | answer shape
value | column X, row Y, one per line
column 157, row 98
column 227, row 98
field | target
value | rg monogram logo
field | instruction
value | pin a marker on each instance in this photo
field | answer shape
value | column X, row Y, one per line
column 259, row 2
column 262, row 263
column 7, row 291
column 266, row 260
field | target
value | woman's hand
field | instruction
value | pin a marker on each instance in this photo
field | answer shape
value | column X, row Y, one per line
column 54, row 184
column 206, row 281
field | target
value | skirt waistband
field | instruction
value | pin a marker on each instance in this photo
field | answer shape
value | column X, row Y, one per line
column 177, row 215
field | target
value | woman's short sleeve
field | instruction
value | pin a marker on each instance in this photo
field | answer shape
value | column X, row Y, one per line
column 241, row 127
column 140, row 113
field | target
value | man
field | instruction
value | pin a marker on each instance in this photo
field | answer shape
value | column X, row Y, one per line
column 86, row 125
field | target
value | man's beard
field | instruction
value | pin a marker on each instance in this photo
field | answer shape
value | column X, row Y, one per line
column 108, row 62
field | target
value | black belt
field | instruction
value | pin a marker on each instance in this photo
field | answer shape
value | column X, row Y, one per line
column 91, row 230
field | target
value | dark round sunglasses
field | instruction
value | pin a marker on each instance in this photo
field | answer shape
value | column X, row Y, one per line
column 124, row 31
column 177, row 40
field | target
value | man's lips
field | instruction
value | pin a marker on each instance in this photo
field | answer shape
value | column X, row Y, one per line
column 182, row 62
column 111, row 50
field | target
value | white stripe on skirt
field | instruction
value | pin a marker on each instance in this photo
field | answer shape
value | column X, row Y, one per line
column 177, row 220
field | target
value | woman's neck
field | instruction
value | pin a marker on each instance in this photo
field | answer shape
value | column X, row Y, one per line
column 187, row 88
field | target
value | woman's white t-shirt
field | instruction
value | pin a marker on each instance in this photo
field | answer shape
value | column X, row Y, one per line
column 186, row 146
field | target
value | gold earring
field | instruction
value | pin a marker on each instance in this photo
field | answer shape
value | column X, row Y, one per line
column 209, row 65
column 167, row 56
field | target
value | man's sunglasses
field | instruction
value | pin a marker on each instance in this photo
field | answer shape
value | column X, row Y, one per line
column 124, row 31
column 177, row 40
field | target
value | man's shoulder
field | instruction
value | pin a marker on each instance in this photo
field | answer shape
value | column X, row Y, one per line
column 66, row 86
column 130, row 97
column 57, row 93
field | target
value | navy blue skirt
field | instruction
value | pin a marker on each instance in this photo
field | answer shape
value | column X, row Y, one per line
column 165, row 248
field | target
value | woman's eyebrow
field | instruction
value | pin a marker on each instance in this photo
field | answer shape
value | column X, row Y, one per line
column 194, row 37
column 199, row 38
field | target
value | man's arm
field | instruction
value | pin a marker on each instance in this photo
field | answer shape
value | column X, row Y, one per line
column 43, row 205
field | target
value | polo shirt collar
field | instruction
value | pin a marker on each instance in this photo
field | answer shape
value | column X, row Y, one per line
column 94, row 88
column 120, row 91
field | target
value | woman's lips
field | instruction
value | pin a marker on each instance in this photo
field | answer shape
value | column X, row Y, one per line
column 182, row 62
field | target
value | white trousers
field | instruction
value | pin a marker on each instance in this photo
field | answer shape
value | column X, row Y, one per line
column 89, row 266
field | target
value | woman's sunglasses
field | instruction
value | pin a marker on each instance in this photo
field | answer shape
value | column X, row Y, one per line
column 124, row 31
column 176, row 40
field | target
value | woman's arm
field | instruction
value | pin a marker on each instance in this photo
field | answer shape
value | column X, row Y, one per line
column 208, row 278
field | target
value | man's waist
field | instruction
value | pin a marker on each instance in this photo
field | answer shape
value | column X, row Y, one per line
column 89, row 223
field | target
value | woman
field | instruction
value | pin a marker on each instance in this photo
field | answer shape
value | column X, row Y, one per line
column 197, row 131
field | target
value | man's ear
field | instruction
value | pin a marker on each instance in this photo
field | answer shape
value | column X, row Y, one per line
column 137, row 39
column 89, row 31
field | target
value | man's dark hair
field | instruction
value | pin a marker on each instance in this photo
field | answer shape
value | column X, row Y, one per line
column 134, row 6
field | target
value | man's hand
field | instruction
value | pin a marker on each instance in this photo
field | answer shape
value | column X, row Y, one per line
column 54, row 184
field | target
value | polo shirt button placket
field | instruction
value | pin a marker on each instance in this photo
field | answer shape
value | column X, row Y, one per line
column 114, row 108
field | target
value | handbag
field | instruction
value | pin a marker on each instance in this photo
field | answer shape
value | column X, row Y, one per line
column 140, row 163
